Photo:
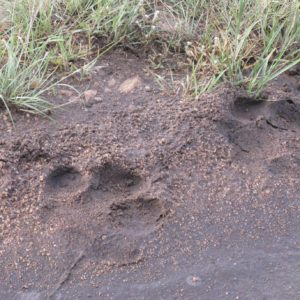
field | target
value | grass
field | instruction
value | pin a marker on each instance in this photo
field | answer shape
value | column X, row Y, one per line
column 248, row 43
column 21, row 85
column 245, row 42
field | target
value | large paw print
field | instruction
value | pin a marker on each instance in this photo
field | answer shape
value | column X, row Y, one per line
column 108, row 201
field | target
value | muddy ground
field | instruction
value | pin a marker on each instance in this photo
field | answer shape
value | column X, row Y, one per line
column 136, row 193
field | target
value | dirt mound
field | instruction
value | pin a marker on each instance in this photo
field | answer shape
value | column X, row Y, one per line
column 142, row 195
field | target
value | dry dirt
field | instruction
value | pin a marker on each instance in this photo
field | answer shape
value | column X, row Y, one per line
column 133, row 193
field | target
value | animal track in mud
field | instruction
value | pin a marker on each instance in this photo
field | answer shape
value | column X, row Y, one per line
column 111, row 189
column 111, row 181
column 63, row 179
column 116, row 249
column 278, row 114
column 61, row 186
column 128, row 223
column 138, row 216
column 114, row 179
column 256, row 126
column 110, row 209
column 285, row 163
column 247, row 108
column 108, row 181
column 288, row 111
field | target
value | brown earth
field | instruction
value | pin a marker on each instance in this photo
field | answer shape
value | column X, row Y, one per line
column 133, row 193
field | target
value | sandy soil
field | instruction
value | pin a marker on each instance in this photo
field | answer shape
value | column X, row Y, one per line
column 133, row 193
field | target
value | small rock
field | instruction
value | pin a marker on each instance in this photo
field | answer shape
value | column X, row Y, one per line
column 162, row 141
column 98, row 68
column 148, row 88
column 129, row 84
column 111, row 82
column 2, row 165
column 193, row 280
column 89, row 95
column 66, row 93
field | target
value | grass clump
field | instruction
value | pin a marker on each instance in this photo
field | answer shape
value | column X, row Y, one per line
column 23, row 83
column 245, row 42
